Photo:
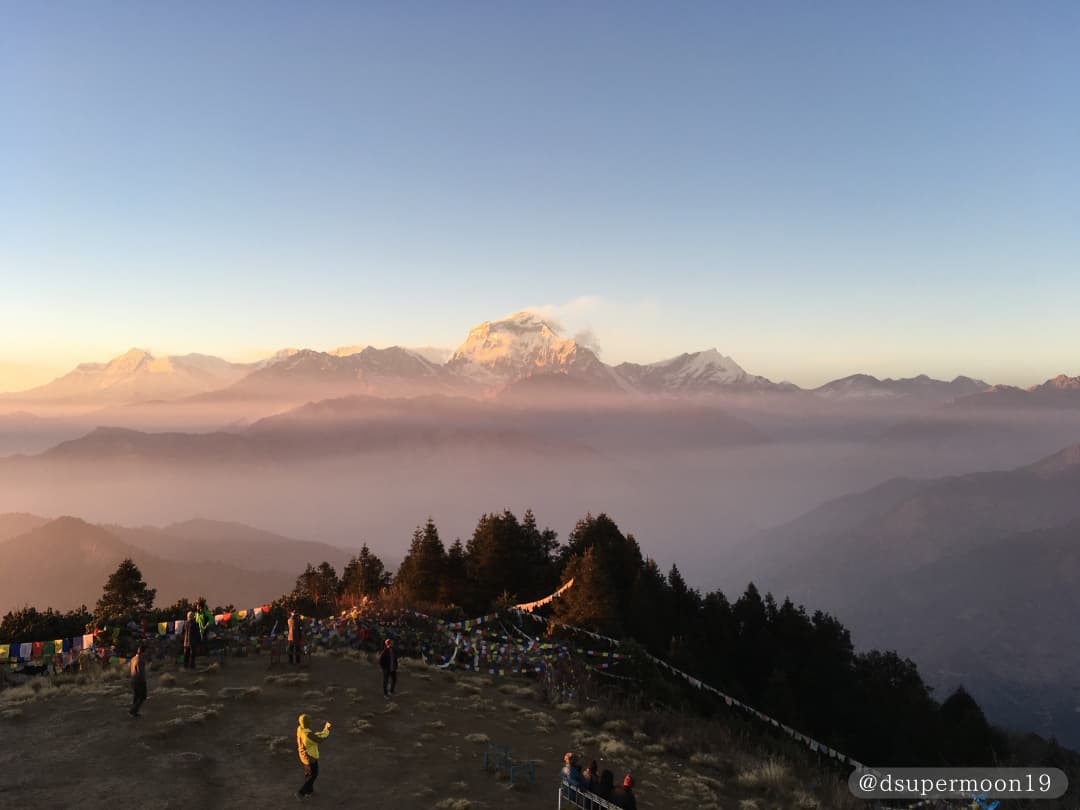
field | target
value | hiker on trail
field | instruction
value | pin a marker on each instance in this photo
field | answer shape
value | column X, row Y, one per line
column 190, row 640
column 571, row 772
column 138, row 682
column 624, row 796
column 296, row 639
column 388, row 663
column 307, row 745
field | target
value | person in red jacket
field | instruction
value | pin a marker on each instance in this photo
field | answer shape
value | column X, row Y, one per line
column 624, row 796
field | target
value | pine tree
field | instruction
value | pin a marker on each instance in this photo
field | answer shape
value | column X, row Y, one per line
column 590, row 603
column 456, row 588
column 420, row 575
column 364, row 575
column 125, row 595
column 316, row 589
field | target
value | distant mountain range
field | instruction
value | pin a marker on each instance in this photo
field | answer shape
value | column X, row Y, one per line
column 975, row 577
column 63, row 563
column 921, row 388
column 521, row 355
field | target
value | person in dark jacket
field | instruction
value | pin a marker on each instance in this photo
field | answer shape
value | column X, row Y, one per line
column 138, row 682
column 388, row 664
column 624, row 796
column 606, row 785
column 296, row 638
column 590, row 776
column 190, row 640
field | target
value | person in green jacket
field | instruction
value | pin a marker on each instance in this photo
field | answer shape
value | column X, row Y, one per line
column 205, row 620
column 307, row 746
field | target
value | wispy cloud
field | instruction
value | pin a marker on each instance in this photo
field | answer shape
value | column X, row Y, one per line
column 596, row 321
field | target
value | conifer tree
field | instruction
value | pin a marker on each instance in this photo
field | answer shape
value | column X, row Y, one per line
column 420, row 575
column 126, row 594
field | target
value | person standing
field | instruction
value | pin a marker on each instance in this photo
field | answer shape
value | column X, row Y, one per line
column 307, row 746
column 138, row 682
column 190, row 640
column 624, row 796
column 296, row 638
column 205, row 620
column 388, row 664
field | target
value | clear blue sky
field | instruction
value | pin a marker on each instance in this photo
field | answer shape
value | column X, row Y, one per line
column 813, row 188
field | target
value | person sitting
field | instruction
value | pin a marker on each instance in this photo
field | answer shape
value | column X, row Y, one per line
column 605, row 785
column 624, row 796
column 589, row 777
column 571, row 772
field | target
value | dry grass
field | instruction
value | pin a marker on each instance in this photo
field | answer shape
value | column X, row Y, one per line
column 167, row 680
column 287, row 679
column 280, row 745
column 239, row 692
column 705, row 759
column 618, row 727
column 195, row 716
column 455, row 804
column 360, row 726
column 769, row 775
column 477, row 738
column 517, row 691
column 611, row 748
column 594, row 715
column 544, row 722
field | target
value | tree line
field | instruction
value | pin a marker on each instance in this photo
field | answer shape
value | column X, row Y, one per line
column 798, row 666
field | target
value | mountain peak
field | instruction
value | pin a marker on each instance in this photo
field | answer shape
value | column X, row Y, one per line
column 518, row 346
column 128, row 362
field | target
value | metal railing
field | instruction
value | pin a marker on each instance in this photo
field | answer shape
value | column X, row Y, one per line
column 569, row 796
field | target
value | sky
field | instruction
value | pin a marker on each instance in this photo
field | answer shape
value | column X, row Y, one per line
column 815, row 189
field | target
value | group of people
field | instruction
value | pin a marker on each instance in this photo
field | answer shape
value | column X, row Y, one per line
column 307, row 739
column 194, row 637
column 601, row 784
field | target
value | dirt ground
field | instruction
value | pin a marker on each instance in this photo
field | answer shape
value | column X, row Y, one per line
column 207, row 741
column 225, row 738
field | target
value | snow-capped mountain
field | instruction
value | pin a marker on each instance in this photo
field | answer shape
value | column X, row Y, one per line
column 310, row 375
column 137, row 376
column 697, row 372
column 432, row 354
column 524, row 345
column 522, row 355
column 923, row 389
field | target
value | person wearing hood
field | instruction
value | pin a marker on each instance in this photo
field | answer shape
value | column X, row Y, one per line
column 307, row 745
